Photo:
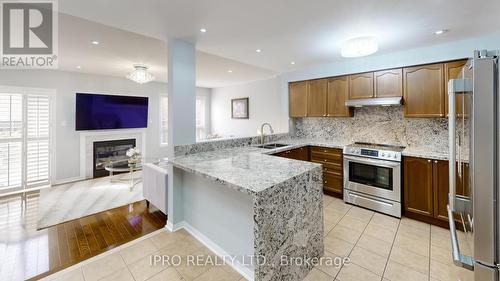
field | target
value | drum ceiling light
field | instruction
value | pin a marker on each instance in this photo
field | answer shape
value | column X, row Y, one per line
column 359, row 47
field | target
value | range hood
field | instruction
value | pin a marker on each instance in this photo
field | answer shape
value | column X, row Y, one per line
column 374, row 102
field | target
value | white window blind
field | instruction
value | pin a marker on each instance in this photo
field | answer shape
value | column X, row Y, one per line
column 37, row 152
column 11, row 125
column 163, row 120
column 24, row 140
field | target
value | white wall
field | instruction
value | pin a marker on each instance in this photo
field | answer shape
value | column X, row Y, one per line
column 264, row 106
column 67, row 84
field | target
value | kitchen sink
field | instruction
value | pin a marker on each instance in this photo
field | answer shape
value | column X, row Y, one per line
column 272, row 145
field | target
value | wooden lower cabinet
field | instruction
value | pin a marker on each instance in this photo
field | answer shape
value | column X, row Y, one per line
column 418, row 186
column 441, row 188
column 301, row 153
column 330, row 158
column 426, row 187
column 333, row 183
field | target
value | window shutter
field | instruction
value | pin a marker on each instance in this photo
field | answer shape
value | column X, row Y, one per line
column 10, row 164
column 11, row 126
column 37, row 149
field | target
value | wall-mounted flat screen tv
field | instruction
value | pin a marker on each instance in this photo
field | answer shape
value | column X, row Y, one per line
column 99, row 112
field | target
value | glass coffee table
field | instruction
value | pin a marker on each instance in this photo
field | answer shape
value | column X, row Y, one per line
column 123, row 166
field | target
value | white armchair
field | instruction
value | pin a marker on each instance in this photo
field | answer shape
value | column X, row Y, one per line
column 154, row 186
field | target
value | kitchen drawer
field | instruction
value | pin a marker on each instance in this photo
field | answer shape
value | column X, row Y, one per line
column 328, row 164
column 333, row 183
column 332, row 152
column 332, row 172
column 323, row 157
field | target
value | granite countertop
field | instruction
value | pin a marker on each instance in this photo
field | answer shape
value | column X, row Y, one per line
column 250, row 169
column 423, row 152
column 247, row 169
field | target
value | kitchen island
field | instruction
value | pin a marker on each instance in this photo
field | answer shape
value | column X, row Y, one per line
column 261, row 210
column 246, row 202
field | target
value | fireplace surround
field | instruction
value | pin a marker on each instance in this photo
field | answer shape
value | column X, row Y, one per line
column 87, row 139
column 109, row 151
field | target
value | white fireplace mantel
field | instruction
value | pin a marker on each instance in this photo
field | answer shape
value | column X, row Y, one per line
column 87, row 139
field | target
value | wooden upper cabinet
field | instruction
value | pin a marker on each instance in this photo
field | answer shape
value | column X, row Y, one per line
column 338, row 93
column 453, row 70
column 361, row 86
column 423, row 90
column 418, row 186
column 298, row 99
column 316, row 97
column 388, row 83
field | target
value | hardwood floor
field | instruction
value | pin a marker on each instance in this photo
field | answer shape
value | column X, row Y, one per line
column 28, row 253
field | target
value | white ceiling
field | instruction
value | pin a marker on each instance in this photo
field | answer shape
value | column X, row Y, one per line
column 307, row 32
column 119, row 50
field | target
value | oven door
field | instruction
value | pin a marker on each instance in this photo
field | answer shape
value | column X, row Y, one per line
column 375, row 177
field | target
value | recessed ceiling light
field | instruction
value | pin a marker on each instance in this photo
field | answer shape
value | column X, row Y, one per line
column 230, row 71
column 78, row 67
column 258, row 50
column 203, row 30
column 441, row 31
column 292, row 62
column 359, row 47
column 95, row 42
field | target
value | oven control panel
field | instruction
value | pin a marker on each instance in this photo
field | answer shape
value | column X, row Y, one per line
column 373, row 153
column 369, row 152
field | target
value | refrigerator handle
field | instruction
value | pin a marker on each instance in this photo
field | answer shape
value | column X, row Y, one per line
column 452, row 143
column 458, row 259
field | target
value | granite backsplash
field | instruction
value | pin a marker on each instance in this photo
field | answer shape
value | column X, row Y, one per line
column 378, row 125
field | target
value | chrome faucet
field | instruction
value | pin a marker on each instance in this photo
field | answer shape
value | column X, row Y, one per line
column 262, row 131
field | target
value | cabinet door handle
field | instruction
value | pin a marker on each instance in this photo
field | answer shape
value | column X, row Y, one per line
column 435, row 161
column 325, row 182
column 429, row 160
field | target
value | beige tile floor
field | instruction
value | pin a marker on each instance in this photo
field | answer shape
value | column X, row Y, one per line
column 379, row 248
column 384, row 248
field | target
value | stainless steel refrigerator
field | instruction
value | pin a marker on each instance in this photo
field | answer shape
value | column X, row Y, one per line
column 474, row 125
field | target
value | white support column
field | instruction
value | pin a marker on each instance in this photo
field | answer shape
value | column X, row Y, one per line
column 181, row 118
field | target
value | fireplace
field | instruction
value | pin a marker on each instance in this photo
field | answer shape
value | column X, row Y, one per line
column 109, row 151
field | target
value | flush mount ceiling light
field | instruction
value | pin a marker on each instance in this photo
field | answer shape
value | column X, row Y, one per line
column 203, row 30
column 292, row 62
column 95, row 42
column 258, row 50
column 359, row 47
column 140, row 74
column 229, row 71
column 441, row 31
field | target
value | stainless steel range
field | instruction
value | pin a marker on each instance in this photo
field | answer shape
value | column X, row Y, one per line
column 372, row 177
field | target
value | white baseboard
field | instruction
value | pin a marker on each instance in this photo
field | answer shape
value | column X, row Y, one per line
column 172, row 228
column 241, row 269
